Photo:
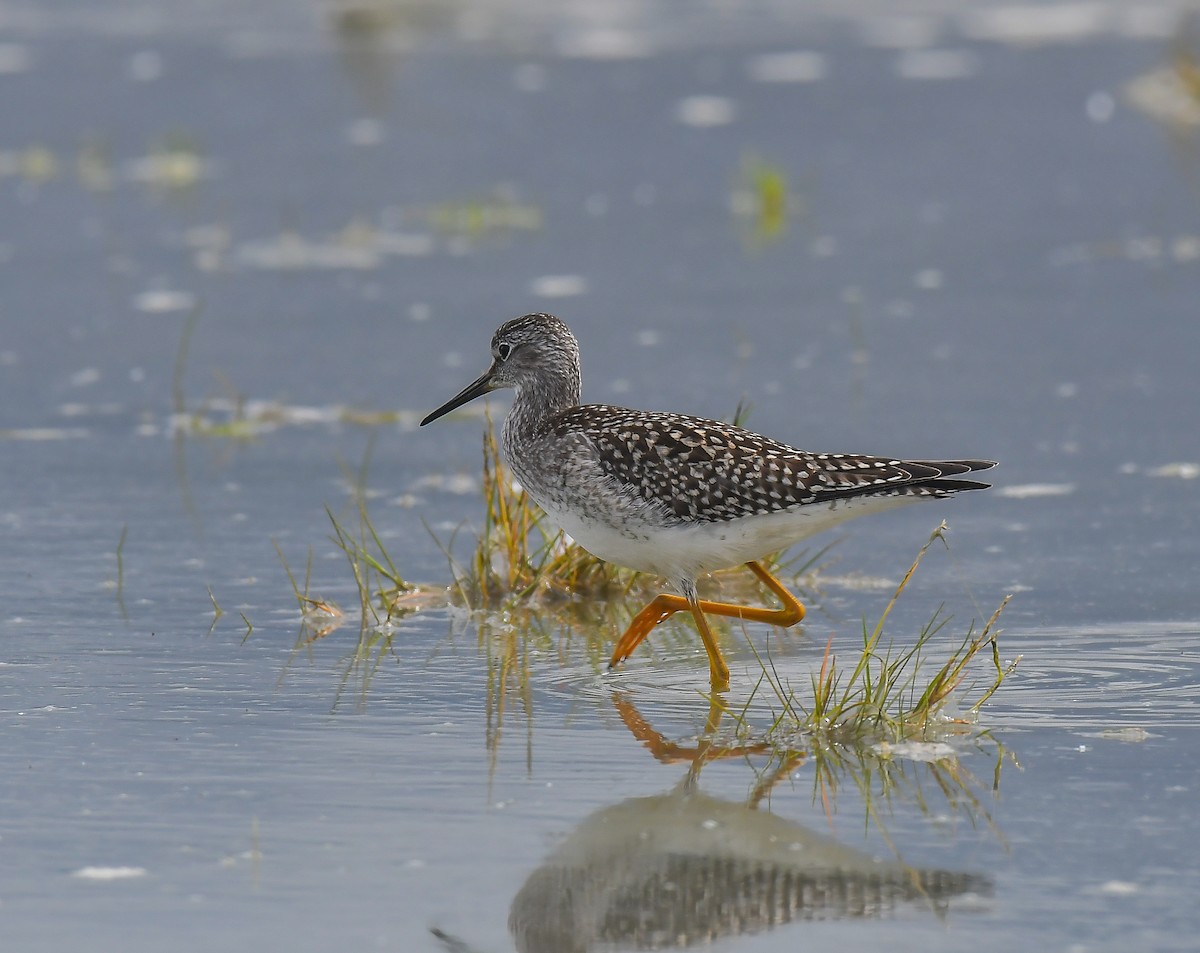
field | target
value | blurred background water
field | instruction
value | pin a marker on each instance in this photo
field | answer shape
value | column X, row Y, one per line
column 244, row 246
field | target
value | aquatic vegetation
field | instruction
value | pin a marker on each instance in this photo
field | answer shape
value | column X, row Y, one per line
column 120, row 583
column 360, row 245
column 384, row 595
column 880, row 774
column 502, row 211
column 887, row 697
column 35, row 164
column 1170, row 93
column 173, row 163
column 762, row 201
column 237, row 417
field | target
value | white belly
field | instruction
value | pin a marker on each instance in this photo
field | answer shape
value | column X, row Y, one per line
column 689, row 550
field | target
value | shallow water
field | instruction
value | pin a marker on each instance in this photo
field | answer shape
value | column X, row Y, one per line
column 300, row 231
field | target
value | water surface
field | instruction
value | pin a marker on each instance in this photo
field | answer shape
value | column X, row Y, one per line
column 299, row 230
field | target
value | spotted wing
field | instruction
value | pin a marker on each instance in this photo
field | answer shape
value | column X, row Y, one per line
column 705, row 470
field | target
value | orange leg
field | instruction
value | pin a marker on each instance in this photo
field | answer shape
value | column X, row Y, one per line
column 718, row 671
column 663, row 606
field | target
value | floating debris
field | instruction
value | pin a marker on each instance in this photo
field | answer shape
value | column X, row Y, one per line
column 35, row 164
column 223, row 417
column 1166, row 95
column 173, row 163
column 457, row 483
column 360, row 246
column 1181, row 249
column 558, row 286
column 703, row 112
column 1026, row 491
column 858, row 582
column 500, row 212
column 85, row 377
column 1131, row 734
column 928, row 752
column 164, row 301
column 606, row 44
column 1179, row 471
column 1029, row 25
column 43, row 433
column 109, row 873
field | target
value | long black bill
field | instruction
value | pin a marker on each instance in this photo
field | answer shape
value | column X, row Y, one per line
column 475, row 389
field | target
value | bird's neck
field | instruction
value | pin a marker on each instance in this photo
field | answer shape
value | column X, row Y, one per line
column 539, row 399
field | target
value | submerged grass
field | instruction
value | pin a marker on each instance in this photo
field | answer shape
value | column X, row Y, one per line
column 384, row 595
column 937, row 781
column 120, row 585
column 940, row 784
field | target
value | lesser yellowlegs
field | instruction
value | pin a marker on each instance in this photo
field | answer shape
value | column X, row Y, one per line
column 673, row 495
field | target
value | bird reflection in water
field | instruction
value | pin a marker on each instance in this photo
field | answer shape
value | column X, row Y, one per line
column 685, row 868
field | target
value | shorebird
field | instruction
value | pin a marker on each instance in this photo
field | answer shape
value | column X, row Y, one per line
column 674, row 495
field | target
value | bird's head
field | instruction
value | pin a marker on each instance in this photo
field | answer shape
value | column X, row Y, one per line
column 526, row 351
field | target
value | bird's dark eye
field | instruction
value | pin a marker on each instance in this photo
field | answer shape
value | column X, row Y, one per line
column 503, row 350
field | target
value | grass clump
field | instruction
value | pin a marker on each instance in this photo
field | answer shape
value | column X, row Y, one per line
column 888, row 696
column 383, row 594
column 761, row 200
column 518, row 558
